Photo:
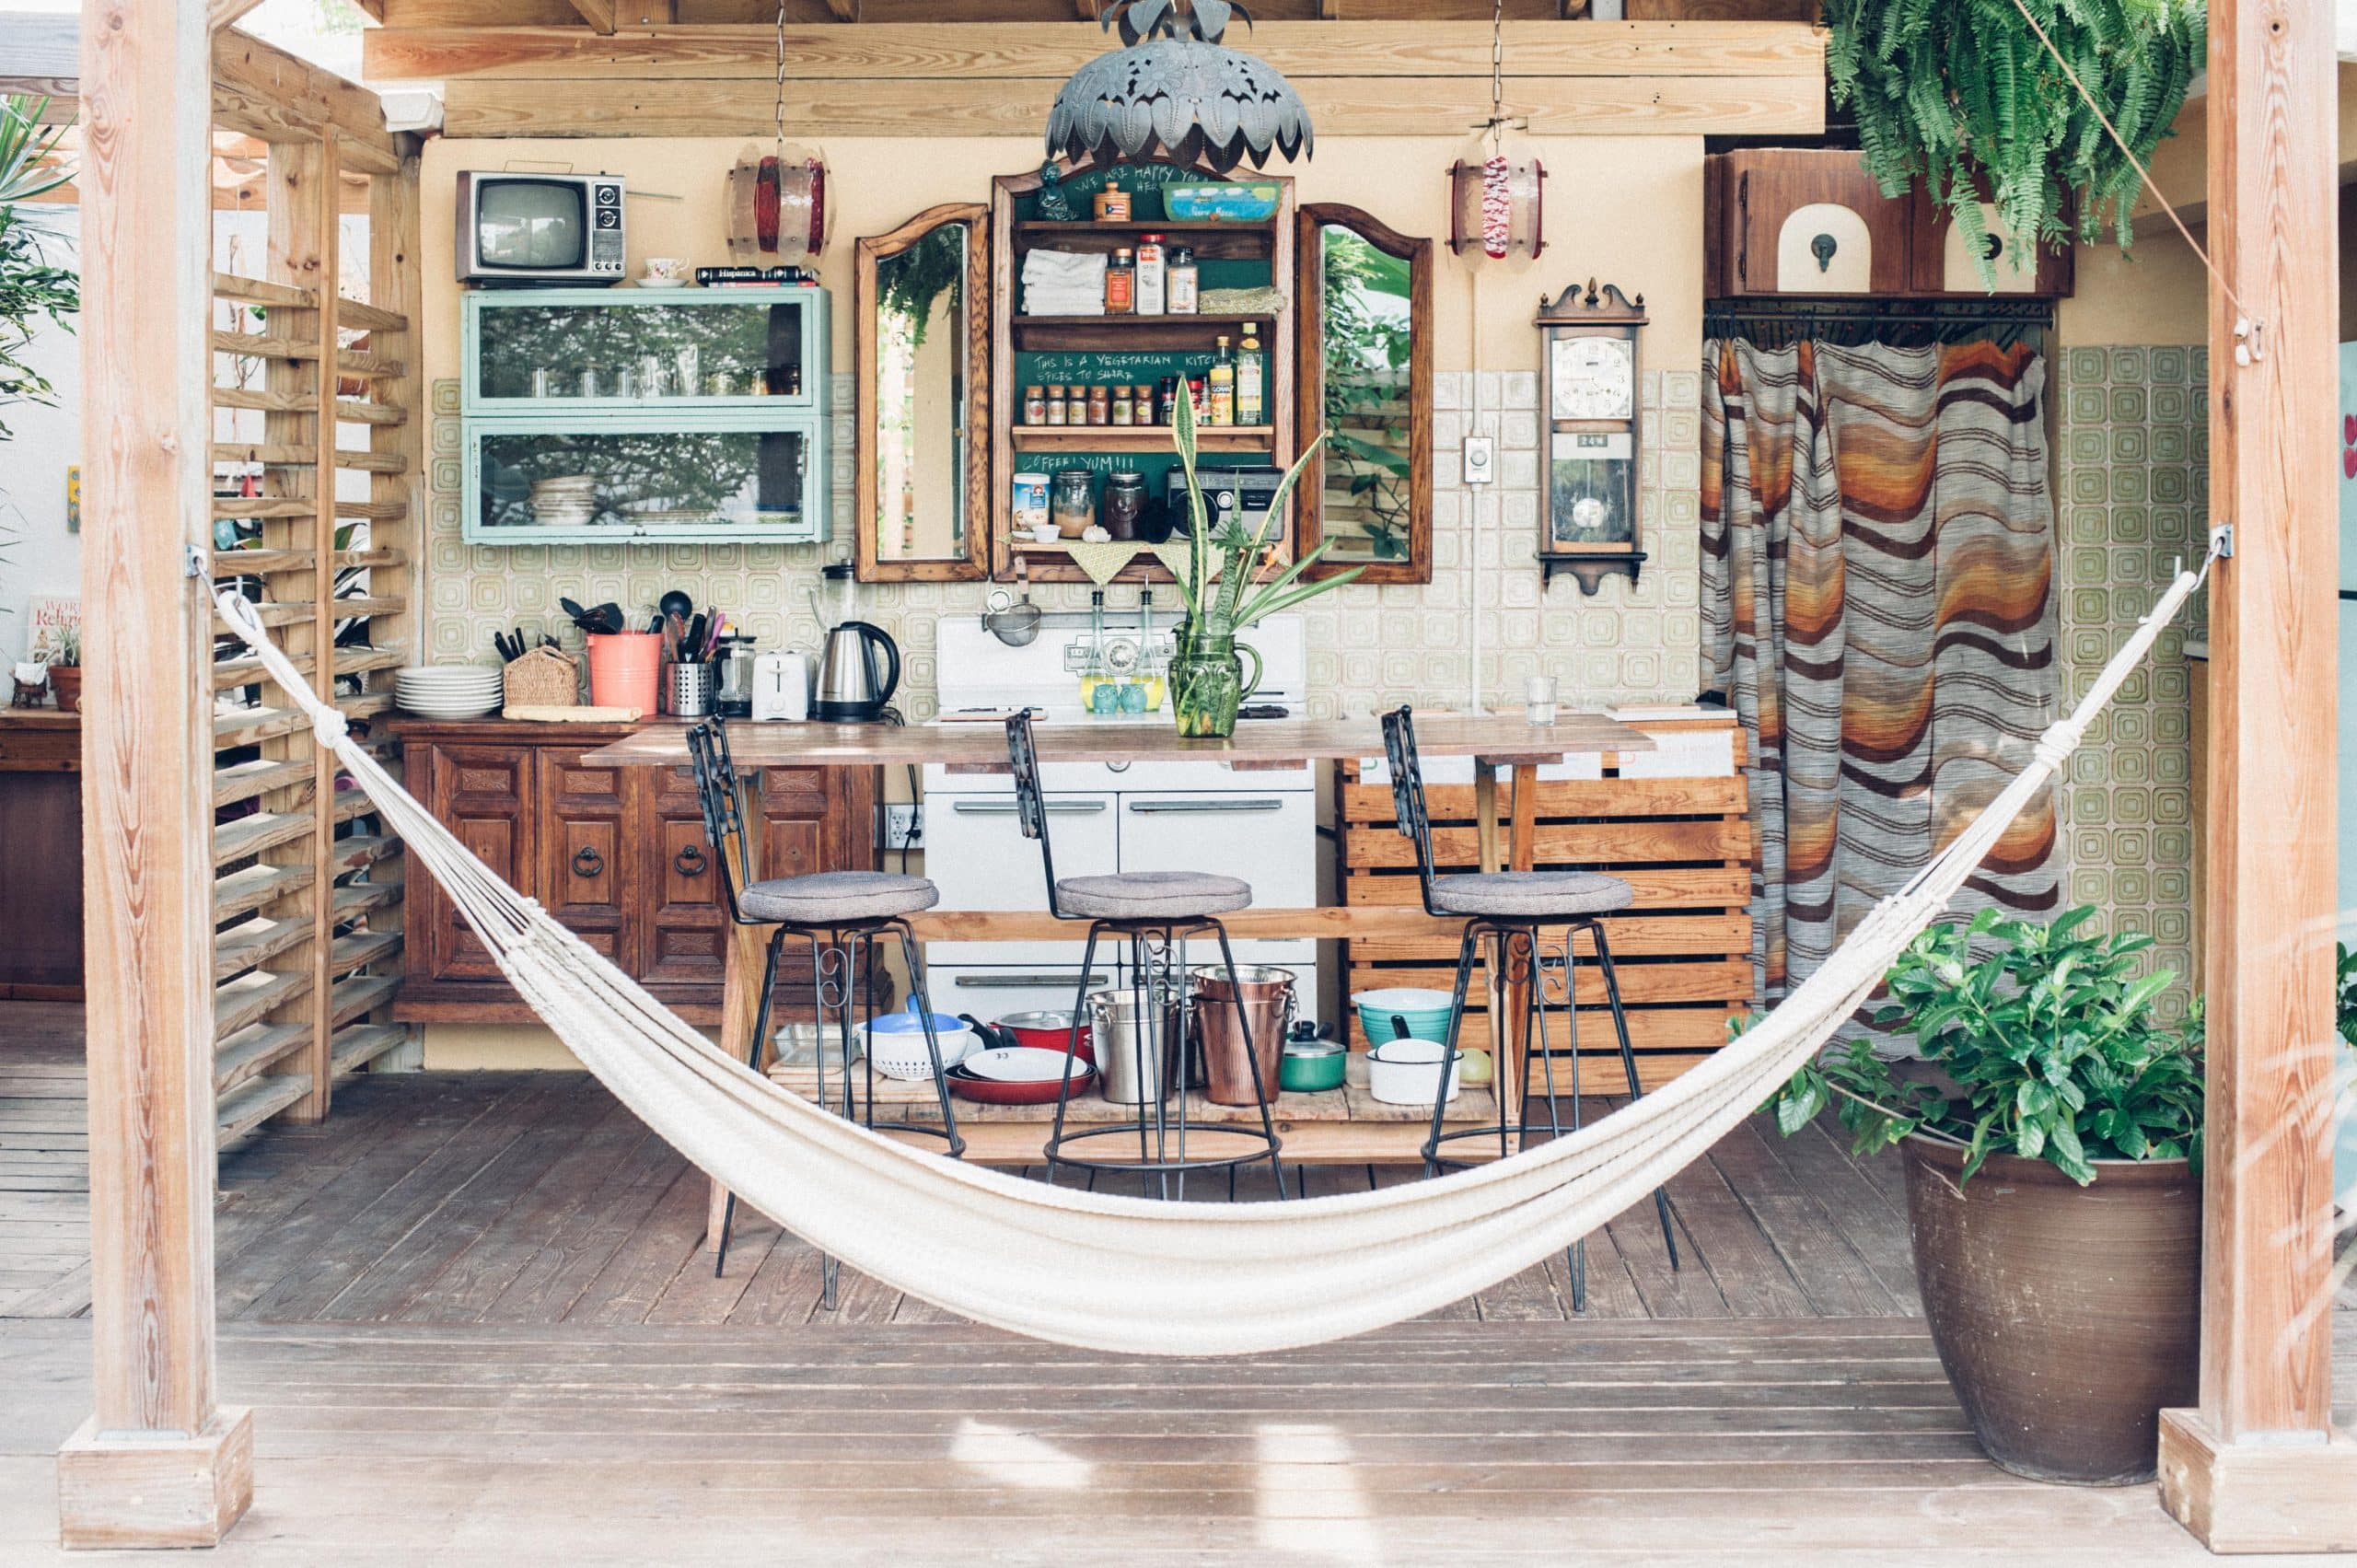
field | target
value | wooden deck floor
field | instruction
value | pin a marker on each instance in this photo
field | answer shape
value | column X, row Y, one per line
column 475, row 1323
column 534, row 1198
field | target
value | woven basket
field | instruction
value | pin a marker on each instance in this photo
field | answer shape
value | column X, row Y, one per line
column 545, row 678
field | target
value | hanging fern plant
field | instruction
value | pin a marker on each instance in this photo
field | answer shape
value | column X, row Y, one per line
column 1961, row 94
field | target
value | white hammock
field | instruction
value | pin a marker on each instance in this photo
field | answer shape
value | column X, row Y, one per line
column 1129, row 1274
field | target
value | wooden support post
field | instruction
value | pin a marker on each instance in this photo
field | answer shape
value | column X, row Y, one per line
column 2256, row 1467
column 159, row 1463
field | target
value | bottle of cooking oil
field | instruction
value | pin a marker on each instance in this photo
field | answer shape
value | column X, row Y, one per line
column 1223, row 386
column 1098, row 693
column 1251, row 380
column 1153, row 667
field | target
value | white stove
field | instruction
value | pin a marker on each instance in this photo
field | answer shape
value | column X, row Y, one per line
column 1259, row 825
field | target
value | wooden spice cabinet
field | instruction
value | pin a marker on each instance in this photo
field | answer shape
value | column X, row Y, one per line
column 616, row 854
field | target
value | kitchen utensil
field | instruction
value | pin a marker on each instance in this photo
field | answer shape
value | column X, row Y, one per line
column 852, row 688
column 733, row 658
column 782, row 687
column 687, row 690
column 1313, row 1067
column 966, row 1083
column 1425, row 1012
column 676, row 603
column 1050, row 1030
column 1268, row 1002
column 1139, row 1058
column 992, row 1037
column 896, row 1044
column 1406, row 1072
column 625, row 670
column 1018, row 1065
column 1013, row 621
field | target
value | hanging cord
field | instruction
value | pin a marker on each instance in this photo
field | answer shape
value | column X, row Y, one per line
column 779, row 152
column 2247, row 326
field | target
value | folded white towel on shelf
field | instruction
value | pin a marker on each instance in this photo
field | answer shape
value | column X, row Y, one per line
column 1074, row 268
column 1056, row 302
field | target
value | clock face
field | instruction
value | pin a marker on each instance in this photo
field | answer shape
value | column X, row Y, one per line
column 1594, row 378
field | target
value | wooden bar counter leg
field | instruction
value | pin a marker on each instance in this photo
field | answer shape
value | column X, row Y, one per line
column 159, row 1463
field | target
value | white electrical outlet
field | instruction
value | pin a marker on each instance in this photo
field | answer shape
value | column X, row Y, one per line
column 903, row 826
column 1480, row 460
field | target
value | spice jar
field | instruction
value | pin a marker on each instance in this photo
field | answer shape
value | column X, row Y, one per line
column 1124, row 502
column 1195, row 396
column 1124, row 410
column 1166, row 401
column 1122, row 285
column 1182, row 285
column 1056, row 407
column 1072, row 504
column 1101, row 405
column 1153, row 276
column 1035, row 405
column 1112, row 204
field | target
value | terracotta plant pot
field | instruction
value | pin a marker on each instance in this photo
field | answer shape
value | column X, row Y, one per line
column 2066, row 1316
column 66, row 683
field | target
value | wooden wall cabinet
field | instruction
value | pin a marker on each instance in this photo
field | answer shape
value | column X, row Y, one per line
column 1789, row 222
column 616, row 854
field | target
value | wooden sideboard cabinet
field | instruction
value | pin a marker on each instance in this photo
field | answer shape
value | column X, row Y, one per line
column 617, row 854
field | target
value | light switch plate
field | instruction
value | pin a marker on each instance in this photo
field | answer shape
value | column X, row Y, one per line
column 1480, row 460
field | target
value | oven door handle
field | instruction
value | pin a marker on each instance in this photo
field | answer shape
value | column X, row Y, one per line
column 1007, row 808
column 1022, row 981
column 1252, row 803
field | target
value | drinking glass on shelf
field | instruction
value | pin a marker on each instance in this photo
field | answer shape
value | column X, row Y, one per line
column 689, row 361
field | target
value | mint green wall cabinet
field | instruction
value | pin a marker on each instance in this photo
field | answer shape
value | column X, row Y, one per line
column 694, row 415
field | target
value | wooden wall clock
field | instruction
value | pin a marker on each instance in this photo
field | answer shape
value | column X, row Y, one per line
column 1588, row 369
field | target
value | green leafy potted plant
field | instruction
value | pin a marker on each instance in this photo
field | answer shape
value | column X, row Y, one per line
column 2051, row 1183
column 2344, row 1101
column 1965, row 97
column 1207, row 682
column 65, row 671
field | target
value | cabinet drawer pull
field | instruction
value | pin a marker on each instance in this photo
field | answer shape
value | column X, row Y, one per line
column 689, row 862
column 1254, row 803
column 1006, row 808
column 1022, row 981
column 587, row 862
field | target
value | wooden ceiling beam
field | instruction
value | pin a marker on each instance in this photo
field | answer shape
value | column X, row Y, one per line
column 263, row 90
column 226, row 13
column 598, row 14
column 887, row 51
column 1790, row 105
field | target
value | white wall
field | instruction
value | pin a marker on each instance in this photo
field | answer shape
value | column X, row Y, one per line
column 43, row 558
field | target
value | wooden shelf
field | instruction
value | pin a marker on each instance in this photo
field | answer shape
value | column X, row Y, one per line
column 1142, row 334
column 1140, row 438
column 1208, row 241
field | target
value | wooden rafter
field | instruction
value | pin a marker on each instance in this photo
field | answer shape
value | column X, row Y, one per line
column 598, row 14
column 226, row 13
column 263, row 90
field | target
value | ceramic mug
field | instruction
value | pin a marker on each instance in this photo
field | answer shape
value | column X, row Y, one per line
column 667, row 269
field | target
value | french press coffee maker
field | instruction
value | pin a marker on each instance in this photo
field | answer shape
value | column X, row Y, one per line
column 734, row 700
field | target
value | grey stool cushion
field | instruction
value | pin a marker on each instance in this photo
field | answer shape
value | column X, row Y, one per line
column 826, row 897
column 1532, row 894
column 1151, row 895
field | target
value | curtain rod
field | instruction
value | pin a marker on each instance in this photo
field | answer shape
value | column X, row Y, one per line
column 2039, row 312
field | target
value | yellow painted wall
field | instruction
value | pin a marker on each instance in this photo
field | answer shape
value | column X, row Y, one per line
column 2156, row 293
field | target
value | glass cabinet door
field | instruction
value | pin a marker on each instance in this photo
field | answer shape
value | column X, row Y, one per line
column 545, row 352
column 528, row 485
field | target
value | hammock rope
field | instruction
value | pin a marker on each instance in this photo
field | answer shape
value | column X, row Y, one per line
column 1131, row 1274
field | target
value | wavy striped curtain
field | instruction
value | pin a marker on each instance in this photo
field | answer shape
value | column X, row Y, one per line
column 1878, row 606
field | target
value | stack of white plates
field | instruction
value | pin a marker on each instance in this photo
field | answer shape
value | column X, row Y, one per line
column 568, row 502
column 448, row 691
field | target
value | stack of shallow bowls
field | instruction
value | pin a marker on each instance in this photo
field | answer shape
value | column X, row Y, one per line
column 448, row 691
column 567, row 502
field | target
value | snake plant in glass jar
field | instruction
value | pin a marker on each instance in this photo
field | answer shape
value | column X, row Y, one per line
column 1207, row 682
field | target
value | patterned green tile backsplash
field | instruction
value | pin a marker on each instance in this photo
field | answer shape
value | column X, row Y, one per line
column 2133, row 494
column 1370, row 646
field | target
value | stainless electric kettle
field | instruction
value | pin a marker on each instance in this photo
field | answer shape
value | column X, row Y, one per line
column 852, row 688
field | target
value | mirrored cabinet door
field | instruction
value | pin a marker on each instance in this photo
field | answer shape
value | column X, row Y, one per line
column 1364, row 292
column 921, row 313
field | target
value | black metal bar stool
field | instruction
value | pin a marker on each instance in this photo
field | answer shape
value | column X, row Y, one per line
column 841, row 913
column 1156, row 912
column 1500, row 906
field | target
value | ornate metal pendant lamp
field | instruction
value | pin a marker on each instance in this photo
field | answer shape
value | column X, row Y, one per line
column 1173, row 92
